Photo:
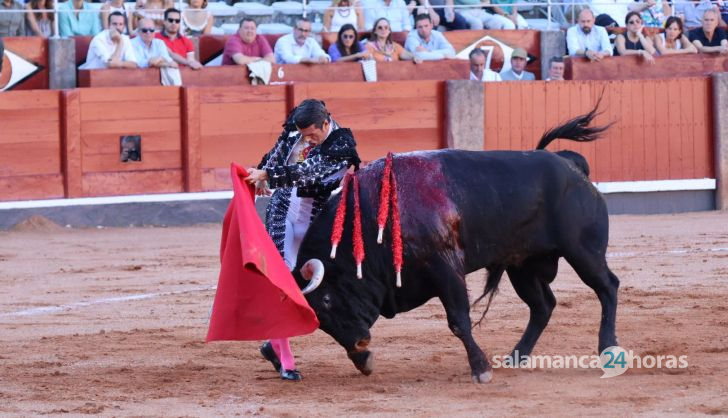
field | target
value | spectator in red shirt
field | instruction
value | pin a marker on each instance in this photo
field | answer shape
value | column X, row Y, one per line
column 180, row 47
column 247, row 46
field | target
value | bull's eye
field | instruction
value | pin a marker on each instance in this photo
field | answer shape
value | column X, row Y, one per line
column 326, row 300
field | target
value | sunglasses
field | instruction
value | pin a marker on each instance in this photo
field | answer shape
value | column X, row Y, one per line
column 303, row 30
column 382, row 27
column 348, row 36
column 146, row 30
column 173, row 20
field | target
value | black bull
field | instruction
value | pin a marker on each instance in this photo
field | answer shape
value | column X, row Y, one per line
column 462, row 211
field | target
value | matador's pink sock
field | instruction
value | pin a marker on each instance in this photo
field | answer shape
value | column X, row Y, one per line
column 282, row 347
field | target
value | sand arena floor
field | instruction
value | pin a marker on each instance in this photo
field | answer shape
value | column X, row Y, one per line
column 111, row 322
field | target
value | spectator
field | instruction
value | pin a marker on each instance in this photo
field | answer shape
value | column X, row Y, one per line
column 111, row 48
column 722, row 7
column 510, row 12
column 247, row 46
column 340, row 13
column 478, row 72
column 427, row 44
column 610, row 14
column 449, row 18
column 478, row 18
column 709, row 39
column 152, row 9
column 653, row 12
column 422, row 7
column 77, row 18
column 180, row 47
column 395, row 11
column 673, row 41
column 299, row 48
column 517, row 72
column 633, row 42
column 39, row 22
column 150, row 51
column 690, row 12
column 11, row 24
column 556, row 69
column 196, row 19
column 117, row 6
column 347, row 47
column 383, row 48
column 586, row 40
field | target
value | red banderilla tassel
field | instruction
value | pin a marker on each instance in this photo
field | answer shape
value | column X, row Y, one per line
column 396, row 232
column 358, row 242
column 384, row 197
column 340, row 214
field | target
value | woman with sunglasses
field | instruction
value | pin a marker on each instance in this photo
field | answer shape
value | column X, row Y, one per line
column 383, row 48
column 673, row 41
column 340, row 13
column 347, row 48
column 633, row 42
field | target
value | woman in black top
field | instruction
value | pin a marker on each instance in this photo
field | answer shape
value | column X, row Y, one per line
column 633, row 42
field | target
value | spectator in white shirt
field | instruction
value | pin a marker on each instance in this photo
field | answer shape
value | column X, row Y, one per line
column 478, row 72
column 587, row 40
column 395, row 11
column 111, row 49
column 299, row 48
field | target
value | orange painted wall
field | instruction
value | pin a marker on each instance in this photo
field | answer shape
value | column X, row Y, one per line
column 384, row 116
column 230, row 124
column 55, row 144
column 99, row 117
column 662, row 128
column 30, row 146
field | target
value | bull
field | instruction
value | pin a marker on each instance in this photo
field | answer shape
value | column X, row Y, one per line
column 506, row 211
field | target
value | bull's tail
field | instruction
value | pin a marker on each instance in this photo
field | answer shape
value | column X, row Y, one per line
column 576, row 129
column 491, row 288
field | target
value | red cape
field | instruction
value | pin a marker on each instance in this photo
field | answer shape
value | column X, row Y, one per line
column 257, row 297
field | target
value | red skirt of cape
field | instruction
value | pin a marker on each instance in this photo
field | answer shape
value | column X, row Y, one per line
column 257, row 297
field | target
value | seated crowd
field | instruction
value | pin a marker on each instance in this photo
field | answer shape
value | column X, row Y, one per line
column 161, row 34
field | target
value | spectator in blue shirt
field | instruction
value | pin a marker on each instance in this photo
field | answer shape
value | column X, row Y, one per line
column 150, row 52
column 427, row 44
column 347, row 46
column 77, row 18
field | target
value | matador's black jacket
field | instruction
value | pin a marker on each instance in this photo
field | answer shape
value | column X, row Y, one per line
column 315, row 177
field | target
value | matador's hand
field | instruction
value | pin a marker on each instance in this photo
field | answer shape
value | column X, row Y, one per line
column 255, row 175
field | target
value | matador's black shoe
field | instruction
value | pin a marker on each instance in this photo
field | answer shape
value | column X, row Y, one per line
column 269, row 354
column 292, row 375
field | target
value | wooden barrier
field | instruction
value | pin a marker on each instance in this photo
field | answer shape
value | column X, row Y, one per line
column 662, row 131
column 28, row 70
column 662, row 128
column 231, row 75
column 229, row 124
column 97, row 120
column 384, row 116
column 30, row 147
column 635, row 68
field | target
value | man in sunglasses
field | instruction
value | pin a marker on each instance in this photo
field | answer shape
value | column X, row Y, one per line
column 180, row 47
column 299, row 48
column 111, row 48
column 150, row 52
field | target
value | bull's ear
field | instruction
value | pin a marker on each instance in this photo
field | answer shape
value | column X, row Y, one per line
column 313, row 271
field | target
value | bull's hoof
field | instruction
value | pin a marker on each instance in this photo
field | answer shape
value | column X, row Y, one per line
column 484, row 377
column 363, row 361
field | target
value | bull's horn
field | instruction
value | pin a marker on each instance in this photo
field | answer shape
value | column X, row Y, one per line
column 312, row 271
